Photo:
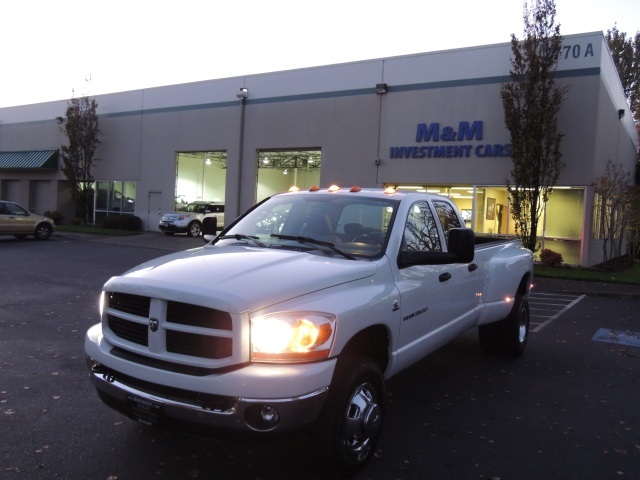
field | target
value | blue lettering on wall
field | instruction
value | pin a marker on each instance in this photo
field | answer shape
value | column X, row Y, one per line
column 431, row 132
column 424, row 133
column 466, row 131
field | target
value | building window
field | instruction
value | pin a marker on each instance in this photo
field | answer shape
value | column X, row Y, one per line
column 486, row 210
column 562, row 221
column 114, row 198
column 200, row 176
column 279, row 170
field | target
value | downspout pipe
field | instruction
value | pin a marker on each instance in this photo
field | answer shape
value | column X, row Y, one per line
column 242, row 95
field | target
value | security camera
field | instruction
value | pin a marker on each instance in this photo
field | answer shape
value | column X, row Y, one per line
column 378, row 161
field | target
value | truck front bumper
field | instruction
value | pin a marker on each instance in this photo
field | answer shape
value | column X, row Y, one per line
column 177, row 409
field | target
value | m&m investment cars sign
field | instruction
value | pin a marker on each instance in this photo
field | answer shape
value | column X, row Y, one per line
column 436, row 141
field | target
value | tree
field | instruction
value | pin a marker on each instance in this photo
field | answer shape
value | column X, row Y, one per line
column 625, row 52
column 614, row 208
column 531, row 102
column 626, row 57
column 82, row 132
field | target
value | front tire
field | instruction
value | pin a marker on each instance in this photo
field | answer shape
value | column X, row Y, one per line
column 351, row 423
column 194, row 229
column 43, row 231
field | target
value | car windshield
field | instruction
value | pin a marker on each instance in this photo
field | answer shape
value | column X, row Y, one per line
column 356, row 226
column 194, row 207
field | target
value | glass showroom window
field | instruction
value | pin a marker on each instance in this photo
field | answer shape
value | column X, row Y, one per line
column 114, row 198
column 563, row 221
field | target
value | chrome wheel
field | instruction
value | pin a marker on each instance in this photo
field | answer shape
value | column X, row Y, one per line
column 362, row 422
column 523, row 328
column 350, row 425
column 194, row 229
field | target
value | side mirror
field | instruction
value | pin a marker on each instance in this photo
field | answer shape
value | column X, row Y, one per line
column 209, row 228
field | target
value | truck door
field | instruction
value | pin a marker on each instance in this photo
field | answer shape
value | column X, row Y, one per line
column 434, row 299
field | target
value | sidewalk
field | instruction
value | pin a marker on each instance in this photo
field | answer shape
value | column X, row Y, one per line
column 175, row 243
column 614, row 290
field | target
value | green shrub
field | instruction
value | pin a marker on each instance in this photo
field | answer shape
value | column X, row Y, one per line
column 130, row 223
column 54, row 215
column 550, row 258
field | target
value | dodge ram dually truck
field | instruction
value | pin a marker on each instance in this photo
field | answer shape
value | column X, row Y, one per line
column 295, row 315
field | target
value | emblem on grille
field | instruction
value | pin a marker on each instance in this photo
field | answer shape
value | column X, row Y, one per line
column 153, row 324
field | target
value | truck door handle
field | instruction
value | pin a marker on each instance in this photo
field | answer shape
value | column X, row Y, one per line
column 472, row 267
column 444, row 277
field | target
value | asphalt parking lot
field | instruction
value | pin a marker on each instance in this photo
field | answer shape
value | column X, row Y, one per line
column 567, row 410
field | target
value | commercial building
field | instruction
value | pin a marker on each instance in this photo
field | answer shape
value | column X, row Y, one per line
column 430, row 121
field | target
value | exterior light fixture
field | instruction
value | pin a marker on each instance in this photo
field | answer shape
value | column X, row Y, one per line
column 381, row 88
column 243, row 94
column 59, row 120
column 621, row 114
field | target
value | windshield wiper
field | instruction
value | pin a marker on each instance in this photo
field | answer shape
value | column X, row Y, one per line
column 301, row 239
column 241, row 236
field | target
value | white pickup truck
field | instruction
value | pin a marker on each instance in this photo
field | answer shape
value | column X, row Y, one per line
column 295, row 315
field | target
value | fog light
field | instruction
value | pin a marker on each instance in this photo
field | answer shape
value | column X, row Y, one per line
column 269, row 414
column 262, row 417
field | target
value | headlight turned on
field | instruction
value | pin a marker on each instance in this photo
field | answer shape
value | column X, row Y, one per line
column 289, row 337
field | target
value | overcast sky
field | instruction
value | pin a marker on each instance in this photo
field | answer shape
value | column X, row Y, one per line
column 50, row 48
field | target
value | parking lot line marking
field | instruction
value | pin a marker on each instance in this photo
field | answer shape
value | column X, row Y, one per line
column 552, row 318
column 629, row 339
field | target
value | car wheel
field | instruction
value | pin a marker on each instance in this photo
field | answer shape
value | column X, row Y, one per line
column 516, row 328
column 43, row 231
column 194, row 229
column 350, row 425
column 509, row 335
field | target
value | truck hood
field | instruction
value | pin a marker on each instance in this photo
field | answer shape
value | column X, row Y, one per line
column 238, row 278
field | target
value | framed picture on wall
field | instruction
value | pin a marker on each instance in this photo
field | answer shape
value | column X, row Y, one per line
column 491, row 208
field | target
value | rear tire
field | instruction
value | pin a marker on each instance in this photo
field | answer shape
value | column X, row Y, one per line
column 489, row 336
column 516, row 328
column 510, row 335
column 350, row 425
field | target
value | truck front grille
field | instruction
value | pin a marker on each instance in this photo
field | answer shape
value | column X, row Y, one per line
column 198, row 345
column 169, row 326
column 133, row 304
column 131, row 331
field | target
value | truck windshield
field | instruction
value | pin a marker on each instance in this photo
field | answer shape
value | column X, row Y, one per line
column 358, row 226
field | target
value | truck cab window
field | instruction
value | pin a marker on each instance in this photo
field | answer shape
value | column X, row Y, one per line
column 421, row 231
column 448, row 217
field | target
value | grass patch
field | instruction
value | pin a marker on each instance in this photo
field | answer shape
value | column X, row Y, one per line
column 619, row 272
column 94, row 230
